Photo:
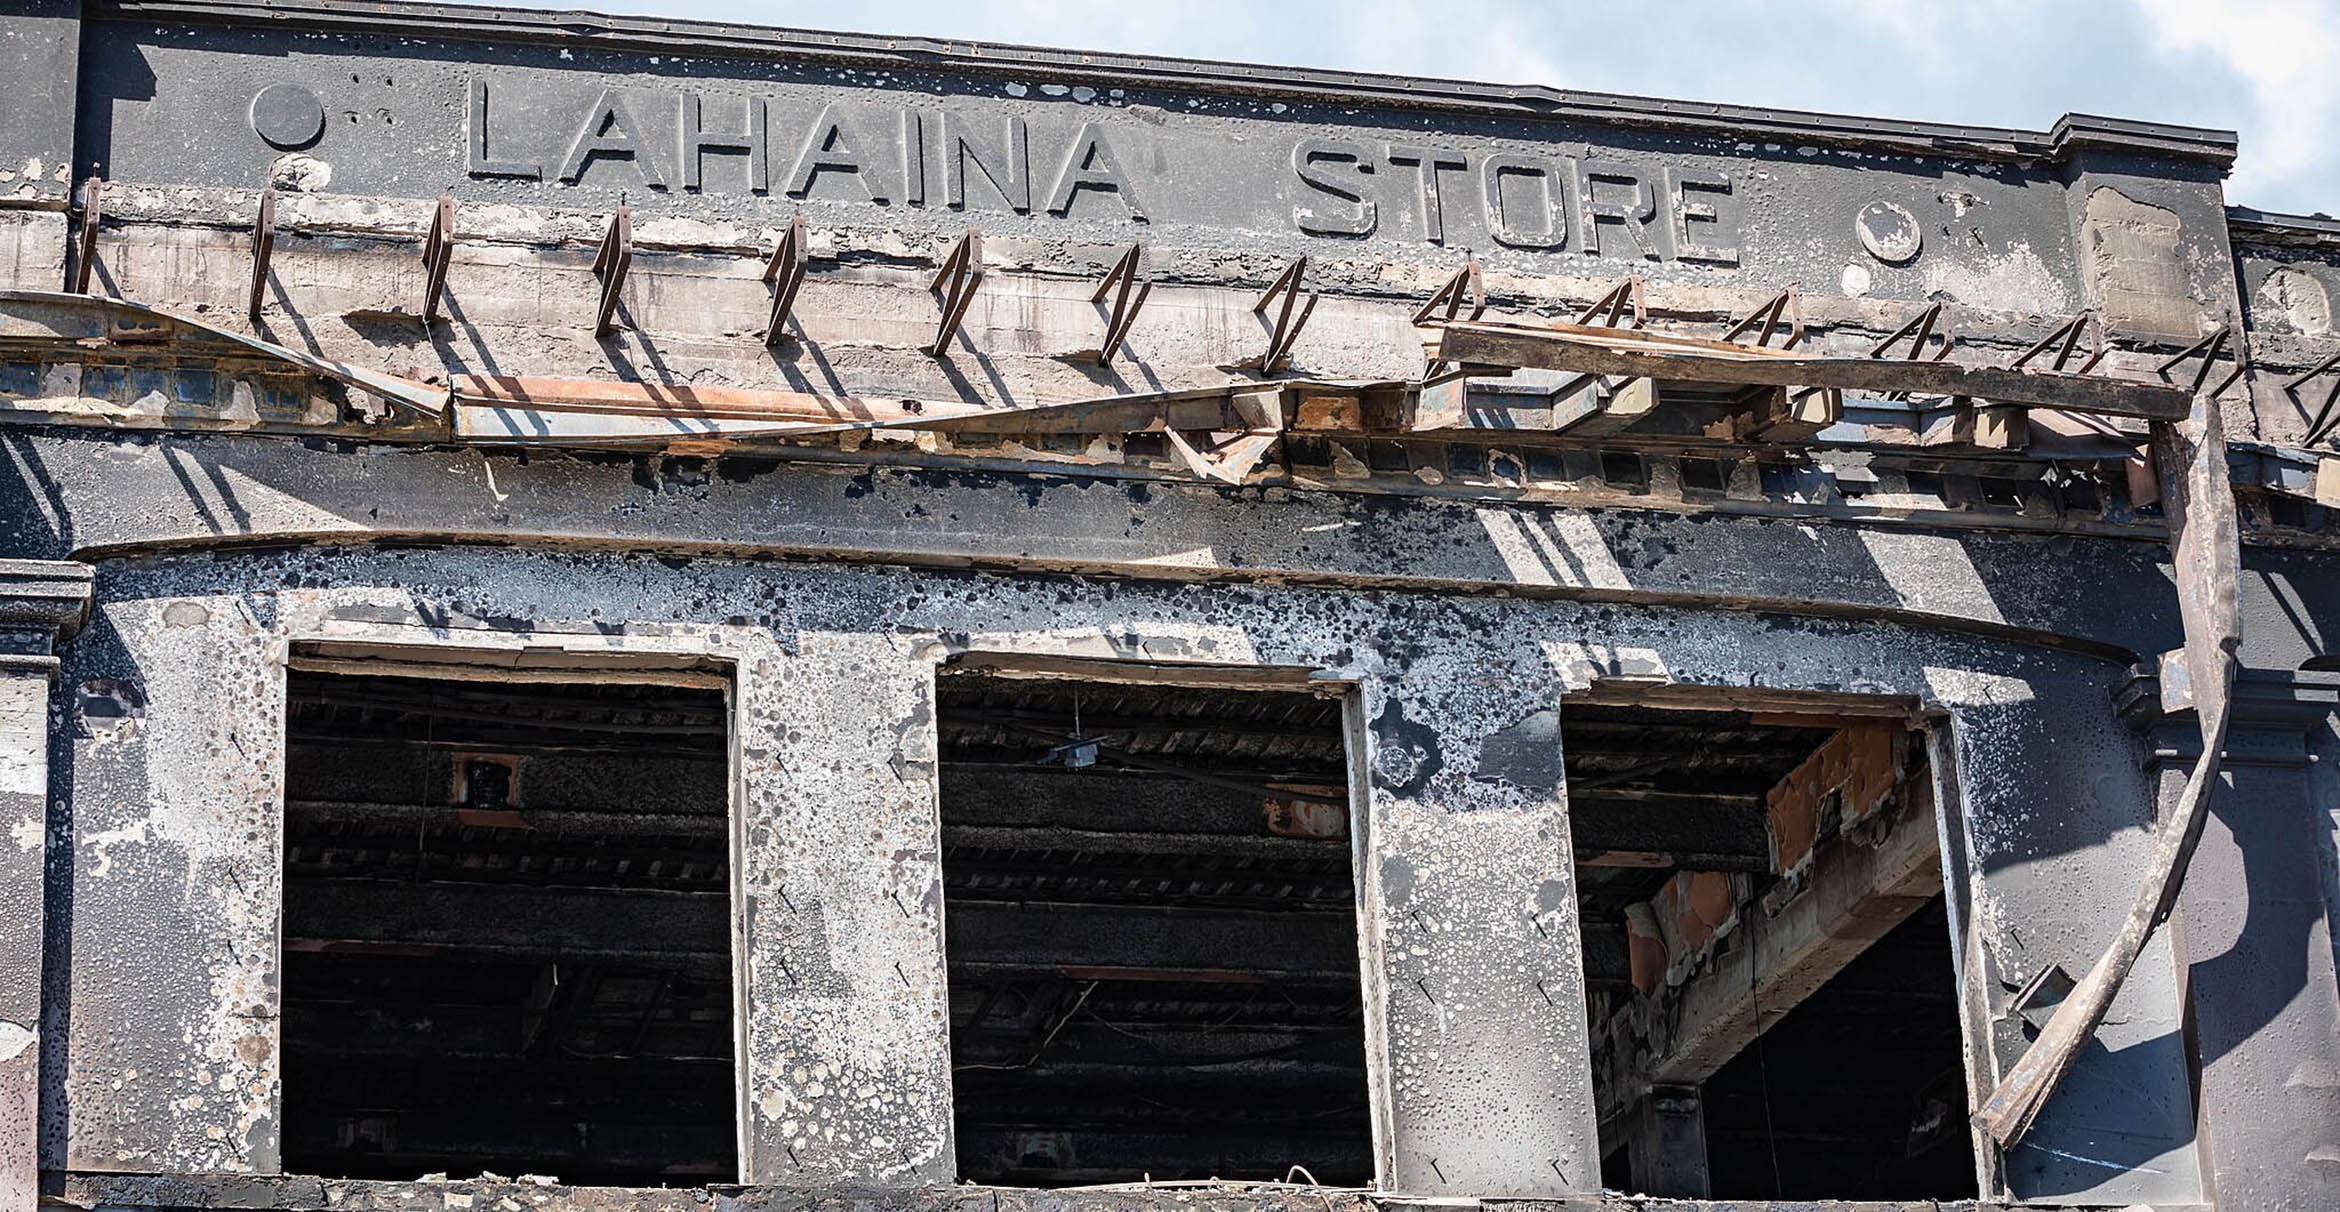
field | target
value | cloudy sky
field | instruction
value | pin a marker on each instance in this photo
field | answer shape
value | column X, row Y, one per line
column 2269, row 69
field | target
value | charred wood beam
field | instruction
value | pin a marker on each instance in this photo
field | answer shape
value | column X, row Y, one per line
column 1261, row 847
column 1149, row 943
column 538, row 824
column 559, row 923
column 1588, row 349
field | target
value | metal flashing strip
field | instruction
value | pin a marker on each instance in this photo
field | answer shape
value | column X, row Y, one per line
column 2249, row 226
column 1589, row 349
column 56, row 318
column 492, row 24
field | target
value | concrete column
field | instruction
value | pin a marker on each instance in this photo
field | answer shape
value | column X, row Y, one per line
column 2253, row 933
column 1668, row 1149
column 40, row 601
column 1473, row 963
column 844, row 1023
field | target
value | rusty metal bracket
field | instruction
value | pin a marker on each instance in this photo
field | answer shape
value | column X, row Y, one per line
column 1924, row 326
column 2066, row 342
column 957, row 281
column 2208, row 348
column 2325, row 419
column 1918, row 331
column 1765, row 320
column 1127, row 300
column 1628, row 293
column 1286, row 329
column 263, row 248
column 785, row 273
column 611, row 264
column 1467, row 285
column 85, row 242
column 438, row 251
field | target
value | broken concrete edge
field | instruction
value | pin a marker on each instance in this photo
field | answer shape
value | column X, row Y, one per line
column 299, row 1193
column 2071, row 133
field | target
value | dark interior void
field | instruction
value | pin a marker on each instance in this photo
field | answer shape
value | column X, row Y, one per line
column 507, row 931
column 1865, row 1096
column 1859, row 1093
column 1151, row 934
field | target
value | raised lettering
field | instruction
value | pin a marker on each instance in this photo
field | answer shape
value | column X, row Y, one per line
column 1091, row 165
column 696, row 142
column 1687, row 247
column 828, row 148
column 1309, row 156
column 1427, row 161
column 1548, row 226
column 1632, row 213
column 477, row 160
column 610, row 130
column 913, row 157
column 1006, row 168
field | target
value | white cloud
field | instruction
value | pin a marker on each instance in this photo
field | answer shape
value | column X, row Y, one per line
column 2287, row 53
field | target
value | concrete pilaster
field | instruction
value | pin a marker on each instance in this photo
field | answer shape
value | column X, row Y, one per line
column 39, row 602
column 1669, row 1144
column 2253, row 933
column 1473, row 960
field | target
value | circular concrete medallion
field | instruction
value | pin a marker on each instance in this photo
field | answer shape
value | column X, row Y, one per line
column 287, row 116
column 1888, row 231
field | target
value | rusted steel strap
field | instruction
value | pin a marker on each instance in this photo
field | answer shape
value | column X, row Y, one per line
column 1596, row 350
column 2204, row 545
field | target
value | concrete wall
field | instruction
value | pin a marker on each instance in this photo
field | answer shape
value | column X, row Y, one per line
column 1468, row 859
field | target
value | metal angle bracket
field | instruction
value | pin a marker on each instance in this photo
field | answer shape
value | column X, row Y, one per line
column 1609, row 310
column 438, row 251
column 2325, row 420
column 2065, row 340
column 1764, row 321
column 1467, row 285
column 1284, row 331
column 611, row 265
column 785, row 272
column 263, row 248
column 1130, row 292
column 956, row 282
column 2208, row 349
column 1921, row 328
column 85, row 244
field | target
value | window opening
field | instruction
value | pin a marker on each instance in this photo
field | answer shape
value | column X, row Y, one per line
column 507, row 938
column 1150, row 911
column 1746, row 1047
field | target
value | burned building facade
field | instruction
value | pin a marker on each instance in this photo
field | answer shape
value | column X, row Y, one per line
column 636, row 614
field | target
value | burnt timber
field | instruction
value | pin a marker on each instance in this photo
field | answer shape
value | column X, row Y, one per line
column 619, row 613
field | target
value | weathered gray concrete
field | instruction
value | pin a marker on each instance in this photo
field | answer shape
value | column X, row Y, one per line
column 39, row 600
column 2257, row 947
column 1454, row 602
column 1451, row 718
